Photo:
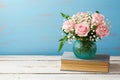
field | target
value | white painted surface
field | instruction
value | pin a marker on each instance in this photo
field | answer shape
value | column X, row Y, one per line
column 48, row 68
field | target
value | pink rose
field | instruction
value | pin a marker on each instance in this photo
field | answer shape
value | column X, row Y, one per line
column 81, row 14
column 102, row 30
column 68, row 26
column 82, row 29
column 98, row 19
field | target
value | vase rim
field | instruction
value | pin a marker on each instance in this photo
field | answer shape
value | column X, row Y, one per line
column 85, row 41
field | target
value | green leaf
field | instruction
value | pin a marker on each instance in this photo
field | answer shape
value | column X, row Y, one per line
column 65, row 32
column 94, row 27
column 62, row 41
column 65, row 16
column 97, row 12
column 60, row 46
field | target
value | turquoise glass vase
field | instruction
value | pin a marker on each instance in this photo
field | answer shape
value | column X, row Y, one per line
column 84, row 49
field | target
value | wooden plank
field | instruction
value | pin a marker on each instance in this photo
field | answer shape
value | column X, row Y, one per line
column 40, row 57
column 48, row 68
column 114, row 57
column 58, row 77
column 29, row 58
column 43, row 67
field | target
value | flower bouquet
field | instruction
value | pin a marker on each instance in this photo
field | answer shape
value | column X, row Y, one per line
column 85, row 29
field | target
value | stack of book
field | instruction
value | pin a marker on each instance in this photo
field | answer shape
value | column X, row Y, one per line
column 100, row 63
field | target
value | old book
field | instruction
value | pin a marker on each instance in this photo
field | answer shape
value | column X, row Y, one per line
column 99, row 64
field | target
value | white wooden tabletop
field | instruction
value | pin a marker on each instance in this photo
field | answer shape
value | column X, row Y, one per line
column 48, row 68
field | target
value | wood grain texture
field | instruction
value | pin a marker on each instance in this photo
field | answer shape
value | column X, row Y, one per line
column 48, row 68
column 34, row 57
column 58, row 77
column 2, row 5
column 34, row 26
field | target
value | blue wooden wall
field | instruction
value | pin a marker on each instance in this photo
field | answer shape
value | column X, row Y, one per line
column 33, row 26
